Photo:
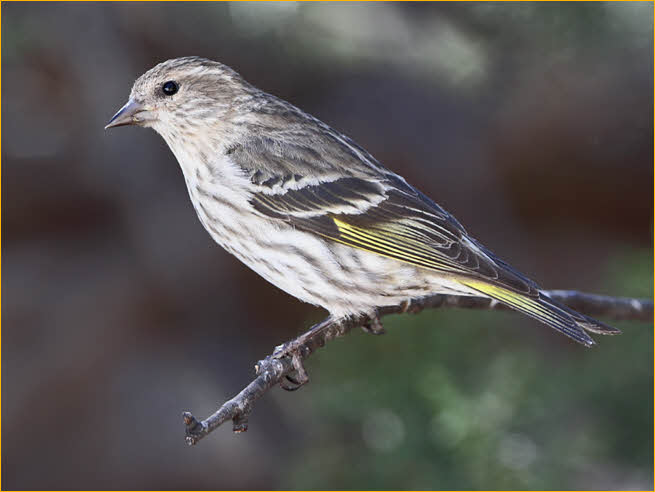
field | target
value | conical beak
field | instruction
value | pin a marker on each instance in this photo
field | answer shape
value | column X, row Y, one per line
column 127, row 115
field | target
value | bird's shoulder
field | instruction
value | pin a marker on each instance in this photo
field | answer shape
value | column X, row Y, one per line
column 283, row 144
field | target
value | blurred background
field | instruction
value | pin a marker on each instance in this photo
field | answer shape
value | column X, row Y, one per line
column 531, row 123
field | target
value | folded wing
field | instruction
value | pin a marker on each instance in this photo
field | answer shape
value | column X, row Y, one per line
column 366, row 207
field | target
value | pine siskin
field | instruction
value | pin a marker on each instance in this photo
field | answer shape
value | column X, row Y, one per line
column 313, row 212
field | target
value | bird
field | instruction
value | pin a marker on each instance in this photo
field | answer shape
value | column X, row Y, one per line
column 313, row 212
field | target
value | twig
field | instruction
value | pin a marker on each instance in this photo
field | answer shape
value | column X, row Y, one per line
column 286, row 360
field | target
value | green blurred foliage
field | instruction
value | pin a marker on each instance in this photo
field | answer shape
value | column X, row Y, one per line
column 474, row 400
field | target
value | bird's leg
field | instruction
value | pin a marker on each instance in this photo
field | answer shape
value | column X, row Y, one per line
column 300, row 348
column 313, row 338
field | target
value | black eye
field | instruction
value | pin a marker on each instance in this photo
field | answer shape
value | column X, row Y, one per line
column 169, row 88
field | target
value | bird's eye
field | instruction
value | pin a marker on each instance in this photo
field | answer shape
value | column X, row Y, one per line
column 169, row 88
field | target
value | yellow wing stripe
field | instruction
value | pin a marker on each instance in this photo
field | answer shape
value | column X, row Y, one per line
column 367, row 239
column 517, row 301
column 408, row 237
column 400, row 236
column 391, row 252
column 356, row 234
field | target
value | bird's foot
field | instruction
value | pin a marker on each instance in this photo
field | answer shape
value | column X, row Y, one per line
column 297, row 349
column 301, row 347
column 297, row 378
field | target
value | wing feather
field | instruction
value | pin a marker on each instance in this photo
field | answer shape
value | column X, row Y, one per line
column 367, row 207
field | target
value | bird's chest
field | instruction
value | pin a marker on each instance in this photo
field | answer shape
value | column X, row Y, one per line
column 218, row 194
column 220, row 210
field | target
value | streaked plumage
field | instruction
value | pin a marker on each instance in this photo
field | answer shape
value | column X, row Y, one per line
column 311, row 211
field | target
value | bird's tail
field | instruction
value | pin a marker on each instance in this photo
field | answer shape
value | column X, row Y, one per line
column 563, row 319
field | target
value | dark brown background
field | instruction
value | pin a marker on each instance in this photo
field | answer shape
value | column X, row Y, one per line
column 533, row 124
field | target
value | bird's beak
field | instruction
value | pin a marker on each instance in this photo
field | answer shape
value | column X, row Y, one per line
column 131, row 114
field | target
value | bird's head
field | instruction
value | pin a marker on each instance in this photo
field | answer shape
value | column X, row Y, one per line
column 182, row 95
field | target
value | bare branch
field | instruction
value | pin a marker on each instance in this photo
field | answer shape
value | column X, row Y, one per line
column 285, row 364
